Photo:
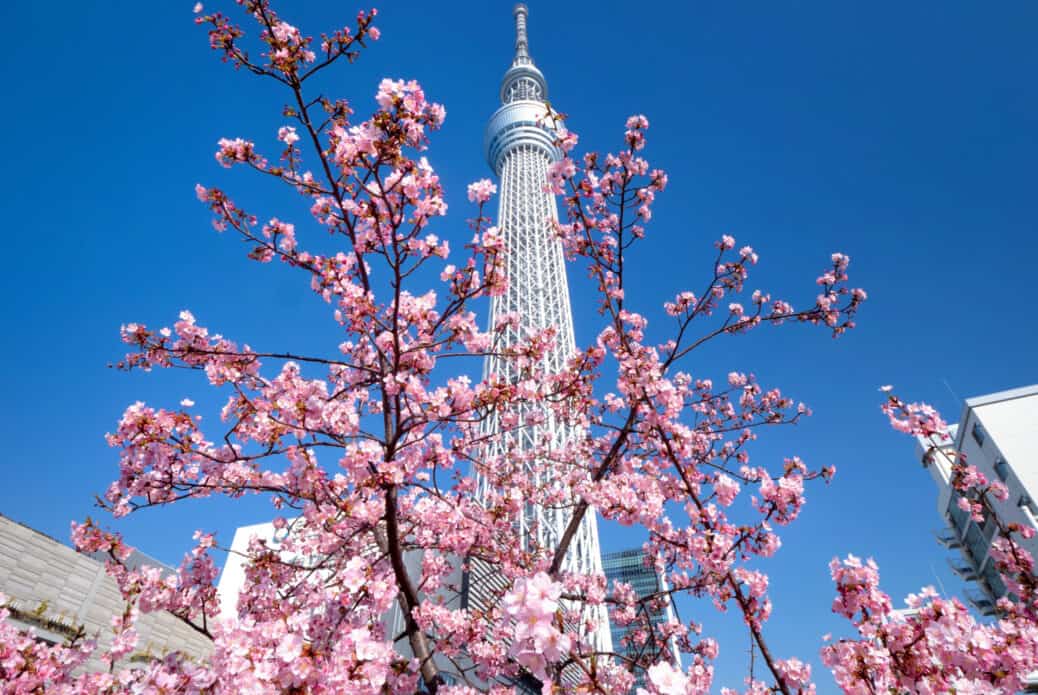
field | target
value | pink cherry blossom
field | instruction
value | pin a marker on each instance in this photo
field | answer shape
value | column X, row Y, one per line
column 667, row 680
column 480, row 191
column 288, row 135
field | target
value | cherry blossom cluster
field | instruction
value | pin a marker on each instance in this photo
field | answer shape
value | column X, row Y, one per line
column 28, row 665
column 914, row 418
column 539, row 639
column 288, row 54
column 666, row 679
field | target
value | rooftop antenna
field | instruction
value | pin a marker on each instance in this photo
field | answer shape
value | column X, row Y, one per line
column 938, row 578
column 522, row 44
column 952, row 391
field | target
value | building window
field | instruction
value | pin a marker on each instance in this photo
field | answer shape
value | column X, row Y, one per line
column 1030, row 510
column 978, row 433
column 524, row 89
column 1001, row 469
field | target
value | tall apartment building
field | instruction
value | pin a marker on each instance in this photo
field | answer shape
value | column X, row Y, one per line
column 998, row 433
column 56, row 592
column 629, row 566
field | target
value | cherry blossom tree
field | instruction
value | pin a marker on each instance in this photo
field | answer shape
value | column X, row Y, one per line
column 373, row 448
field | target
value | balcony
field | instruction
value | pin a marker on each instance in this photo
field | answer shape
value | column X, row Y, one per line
column 965, row 570
column 948, row 538
column 981, row 602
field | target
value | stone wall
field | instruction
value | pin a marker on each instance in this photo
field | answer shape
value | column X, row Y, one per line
column 54, row 590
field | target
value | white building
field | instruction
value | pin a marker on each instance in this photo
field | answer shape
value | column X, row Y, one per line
column 998, row 434
column 232, row 579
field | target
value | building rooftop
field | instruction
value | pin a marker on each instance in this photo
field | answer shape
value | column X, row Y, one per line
column 134, row 561
column 1021, row 392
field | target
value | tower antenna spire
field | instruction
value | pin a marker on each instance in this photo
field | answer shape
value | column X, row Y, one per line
column 522, row 44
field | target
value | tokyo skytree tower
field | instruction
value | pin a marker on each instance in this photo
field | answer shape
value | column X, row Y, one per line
column 520, row 146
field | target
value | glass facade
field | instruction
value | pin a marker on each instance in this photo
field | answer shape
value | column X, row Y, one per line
column 629, row 566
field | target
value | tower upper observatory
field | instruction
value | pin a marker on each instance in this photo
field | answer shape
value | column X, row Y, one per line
column 523, row 118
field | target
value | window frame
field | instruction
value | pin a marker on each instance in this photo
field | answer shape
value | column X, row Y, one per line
column 1001, row 468
column 978, row 433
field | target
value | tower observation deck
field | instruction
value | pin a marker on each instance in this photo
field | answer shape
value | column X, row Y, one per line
column 520, row 147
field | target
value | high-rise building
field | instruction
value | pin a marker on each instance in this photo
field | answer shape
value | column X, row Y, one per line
column 520, row 147
column 629, row 566
column 998, row 434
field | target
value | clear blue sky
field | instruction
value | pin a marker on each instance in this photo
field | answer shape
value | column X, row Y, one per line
column 903, row 134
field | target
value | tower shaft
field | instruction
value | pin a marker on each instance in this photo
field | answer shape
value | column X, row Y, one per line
column 520, row 148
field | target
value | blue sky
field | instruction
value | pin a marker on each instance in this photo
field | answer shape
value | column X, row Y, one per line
column 903, row 134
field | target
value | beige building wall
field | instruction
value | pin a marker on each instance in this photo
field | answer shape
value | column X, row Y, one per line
column 54, row 590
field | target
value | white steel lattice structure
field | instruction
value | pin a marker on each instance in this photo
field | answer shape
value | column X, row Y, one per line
column 520, row 146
